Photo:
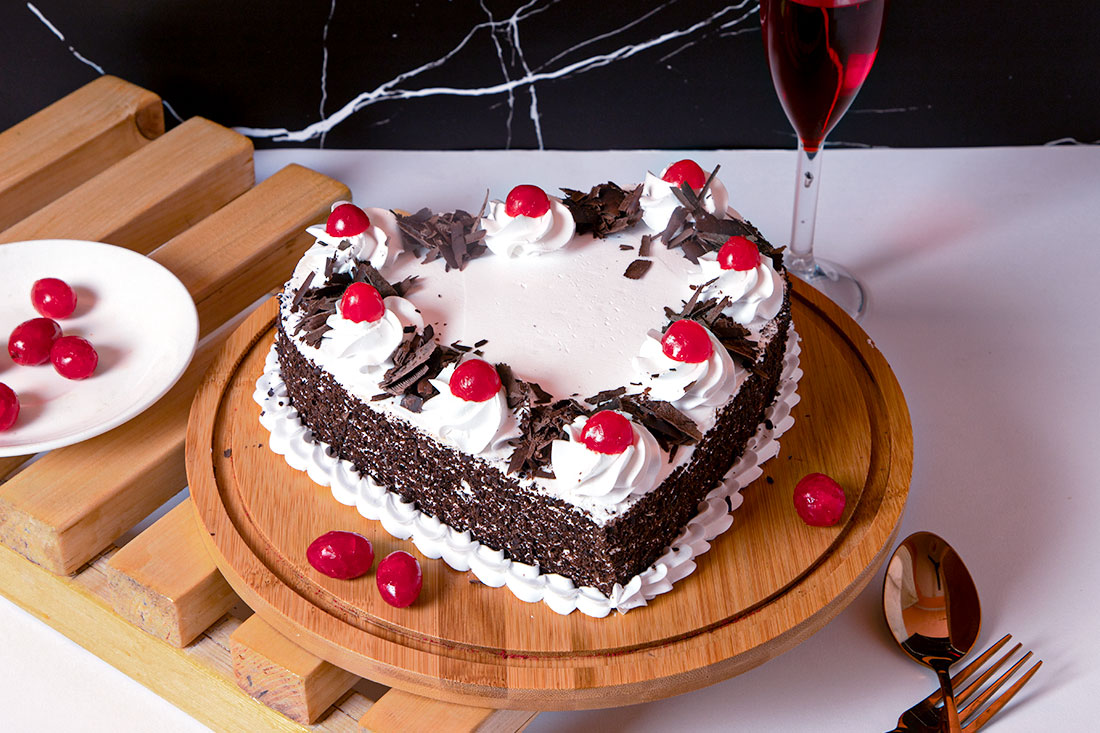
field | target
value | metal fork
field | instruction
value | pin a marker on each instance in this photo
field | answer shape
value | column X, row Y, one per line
column 924, row 717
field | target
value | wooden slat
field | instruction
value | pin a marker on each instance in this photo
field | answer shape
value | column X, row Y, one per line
column 197, row 679
column 282, row 675
column 9, row 464
column 251, row 245
column 151, row 195
column 398, row 711
column 54, row 151
column 58, row 513
column 163, row 581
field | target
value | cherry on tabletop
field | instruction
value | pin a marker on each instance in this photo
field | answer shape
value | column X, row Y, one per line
column 819, row 500
column 340, row 554
column 347, row 220
column 362, row 302
column 9, row 407
column 30, row 341
column 686, row 341
column 527, row 200
column 739, row 254
column 399, row 579
column 475, row 380
column 53, row 298
column 607, row 432
column 685, row 171
column 74, row 357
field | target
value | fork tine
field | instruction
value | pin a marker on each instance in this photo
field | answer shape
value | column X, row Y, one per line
column 992, row 689
column 974, row 686
column 1001, row 701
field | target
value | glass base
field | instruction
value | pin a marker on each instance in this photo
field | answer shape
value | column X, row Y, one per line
column 837, row 283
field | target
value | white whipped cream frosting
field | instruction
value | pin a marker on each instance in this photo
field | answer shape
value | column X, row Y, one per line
column 608, row 478
column 369, row 346
column 473, row 427
column 379, row 244
column 658, row 200
column 757, row 294
column 522, row 236
column 694, row 389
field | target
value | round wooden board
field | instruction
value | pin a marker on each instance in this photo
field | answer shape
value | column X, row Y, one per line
column 766, row 584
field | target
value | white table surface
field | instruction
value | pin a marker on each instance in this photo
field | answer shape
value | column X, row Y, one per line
column 982, row 265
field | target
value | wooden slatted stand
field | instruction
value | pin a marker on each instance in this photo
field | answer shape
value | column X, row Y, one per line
column 97, row 165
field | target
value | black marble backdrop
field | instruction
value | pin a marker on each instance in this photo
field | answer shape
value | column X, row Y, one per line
column 556, row 74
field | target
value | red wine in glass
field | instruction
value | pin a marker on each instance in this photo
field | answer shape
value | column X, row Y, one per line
column 819, row 52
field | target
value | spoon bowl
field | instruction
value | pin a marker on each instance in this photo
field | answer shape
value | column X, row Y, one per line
column 931, row 606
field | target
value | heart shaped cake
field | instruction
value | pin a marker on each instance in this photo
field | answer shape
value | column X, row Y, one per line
column 562, row 395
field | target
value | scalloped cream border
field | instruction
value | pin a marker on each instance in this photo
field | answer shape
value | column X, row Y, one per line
column 291, row 439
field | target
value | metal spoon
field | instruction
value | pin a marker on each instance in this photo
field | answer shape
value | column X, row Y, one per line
column 932, row 608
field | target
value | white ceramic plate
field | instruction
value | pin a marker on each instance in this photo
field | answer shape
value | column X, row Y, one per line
column 138, row 316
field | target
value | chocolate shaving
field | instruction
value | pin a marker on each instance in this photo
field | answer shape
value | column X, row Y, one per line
column 415, row 361
column 301, row 292
column 319, row 303
column 645, row 246
column 669, row 426
column 604, row 210
column 731, row 334
column 540, row 426
column 455, row 237
column 637, row 269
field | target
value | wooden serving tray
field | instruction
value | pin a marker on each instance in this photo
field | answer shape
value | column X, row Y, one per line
column 765, row 586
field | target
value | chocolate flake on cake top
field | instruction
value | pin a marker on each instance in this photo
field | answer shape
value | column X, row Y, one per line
column 541, row 423
column 455, row 237
column 637, row 269
column 417, row 359
column 668, row 425
column 604, row 210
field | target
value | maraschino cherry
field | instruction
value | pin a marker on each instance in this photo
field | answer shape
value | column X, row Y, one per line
column 362, row 302
column 738, row 254
column 9, row 407
column 475, row 380
column 819, row 500
column 686, row 341
column 607, row 432
column 527, row 200
column 74, row 357
column 30, row 341
column 399, row 579
column 347, row 220
column 53, row 298
column 340, row 554
column 685, row 171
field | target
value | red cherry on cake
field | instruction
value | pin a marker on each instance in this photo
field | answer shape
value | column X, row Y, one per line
column 685, row 171
column 739, row 254
column 342, row 555
column 607, row 432
column 30, row 341
column 399, row 579
column 347, row 220
column 527, row 200
column 819, row 500
column 686, row 341
column 362, row 302
column 74, row 357
column 475, row 380
column 53, row 298
column 9, row 407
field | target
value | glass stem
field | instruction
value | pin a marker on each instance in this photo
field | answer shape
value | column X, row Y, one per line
column 800, row 258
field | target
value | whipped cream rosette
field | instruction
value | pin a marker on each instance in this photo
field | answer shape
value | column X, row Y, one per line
column 528, row 223
column 471, row 411
column 605, row 474
column 658, row 199
column 366, row 345
column 748, row 279
column 696, row 382
column 371, row 234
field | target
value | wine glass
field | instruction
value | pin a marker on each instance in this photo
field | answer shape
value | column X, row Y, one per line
column 819, row 52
